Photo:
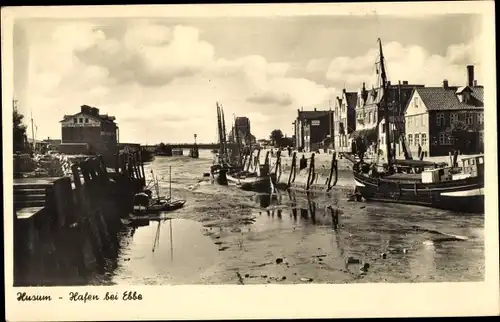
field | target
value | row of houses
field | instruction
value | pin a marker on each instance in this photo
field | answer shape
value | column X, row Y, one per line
column 425, row 118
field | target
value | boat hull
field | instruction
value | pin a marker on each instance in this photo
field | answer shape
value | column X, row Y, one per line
column 257, row 184
column 464, row 195
column 163, row 206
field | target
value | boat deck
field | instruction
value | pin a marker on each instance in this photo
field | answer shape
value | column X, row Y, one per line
column 406, row 177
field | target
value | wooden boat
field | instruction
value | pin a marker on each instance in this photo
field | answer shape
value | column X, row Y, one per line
column 443, row 188
column 452, row 188
column 260, row 179
column 145, row 205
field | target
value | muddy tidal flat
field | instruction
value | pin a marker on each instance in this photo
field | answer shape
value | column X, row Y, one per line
column 225, row 235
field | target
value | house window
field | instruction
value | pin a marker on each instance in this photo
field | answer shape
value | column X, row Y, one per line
column 481, row 137
column 410, row 139
column 415, row 101
column 440, row 119
column 75, row 120
column 81, row 120
column 468, row 118
column 86, row 120
column 374, row 116
column 480, row 118
column 409, row 120
column 370, row 117
column 417, row 139
column 454, row 118
column 424, row 139
column 442, row 138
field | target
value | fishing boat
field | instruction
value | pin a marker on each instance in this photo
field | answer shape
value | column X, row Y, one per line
column 260, row 178
column 418, row 182
column 221, row 165
column 146, row 205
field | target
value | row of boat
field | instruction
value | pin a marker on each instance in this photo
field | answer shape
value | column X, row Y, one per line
column 415, row 182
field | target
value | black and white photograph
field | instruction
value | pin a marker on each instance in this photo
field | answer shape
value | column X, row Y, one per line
column 280, row 148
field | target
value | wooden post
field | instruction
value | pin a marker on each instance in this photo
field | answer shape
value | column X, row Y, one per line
column 291, row 177
column 117, row 164
column 63, row 197
column 310, row 175
column 85, row 172
column 76, row 176
column 123, row 162
column 102, row 166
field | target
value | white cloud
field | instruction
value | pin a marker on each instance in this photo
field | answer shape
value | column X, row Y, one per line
column 411, row 63
column 163, row 81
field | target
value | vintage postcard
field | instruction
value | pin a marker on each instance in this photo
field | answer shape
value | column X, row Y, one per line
column 250, row 161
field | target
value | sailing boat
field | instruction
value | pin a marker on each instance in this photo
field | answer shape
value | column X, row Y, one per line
column 449, row 188
column 145, row 204
column 221, row 165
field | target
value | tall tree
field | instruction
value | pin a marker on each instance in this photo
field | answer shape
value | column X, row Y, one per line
column 276, row 136
column 19, row 131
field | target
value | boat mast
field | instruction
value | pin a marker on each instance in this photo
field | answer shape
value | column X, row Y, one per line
column 386, row 113
column 170, row 182
column 32, row 132
column 237, row 139
column 224, row 134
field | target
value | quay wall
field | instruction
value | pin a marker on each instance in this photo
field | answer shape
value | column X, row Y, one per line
column 72, row 239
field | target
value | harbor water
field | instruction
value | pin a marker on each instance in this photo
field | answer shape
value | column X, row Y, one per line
column 224, row 235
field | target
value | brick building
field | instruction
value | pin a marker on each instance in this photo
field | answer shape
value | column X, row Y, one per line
column 89, row 132
column 432, row 113
column 311, row 128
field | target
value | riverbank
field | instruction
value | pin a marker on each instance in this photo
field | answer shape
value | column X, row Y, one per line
column 228, row 236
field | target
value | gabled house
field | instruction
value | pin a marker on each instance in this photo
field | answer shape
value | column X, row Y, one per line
column 446, row 118
column 370, row 112
column 345, row 122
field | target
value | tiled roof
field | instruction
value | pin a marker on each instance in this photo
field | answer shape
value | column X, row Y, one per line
column 352, row 99
column 303, row 115
column 440, row 98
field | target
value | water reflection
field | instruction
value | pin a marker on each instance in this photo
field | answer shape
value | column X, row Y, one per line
column 152, row 256
column 302, row 212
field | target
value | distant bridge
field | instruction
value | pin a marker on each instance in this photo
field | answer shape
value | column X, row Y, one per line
column 184, row 146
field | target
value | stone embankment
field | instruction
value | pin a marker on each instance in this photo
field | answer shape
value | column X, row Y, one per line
column 65, row 228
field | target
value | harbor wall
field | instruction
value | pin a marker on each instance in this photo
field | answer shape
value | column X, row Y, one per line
column 72, row 239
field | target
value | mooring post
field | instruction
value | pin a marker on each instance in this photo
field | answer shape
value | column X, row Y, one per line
column 63, row 197
column 76, row 176
column 103, row 168
column 292, row 169
column 310, row 175
column 117, row 162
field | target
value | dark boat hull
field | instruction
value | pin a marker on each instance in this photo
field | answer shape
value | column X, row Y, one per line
column 257, row 184
column 163, row 206
column 463, row 195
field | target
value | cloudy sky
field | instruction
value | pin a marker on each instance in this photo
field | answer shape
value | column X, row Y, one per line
column 162, row 77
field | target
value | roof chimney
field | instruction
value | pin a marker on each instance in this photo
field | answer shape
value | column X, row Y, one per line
column 405, row 82
column 475, row 83
column 85, row 109
column 388, row 83
column 315, row 109
column 470, row 75
column 445, row 84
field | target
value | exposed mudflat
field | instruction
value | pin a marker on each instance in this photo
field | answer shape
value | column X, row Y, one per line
column 225, row 235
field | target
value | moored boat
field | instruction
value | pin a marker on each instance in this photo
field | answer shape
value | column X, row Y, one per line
column 417, row 182
column 443, row 188
column 146, row 205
